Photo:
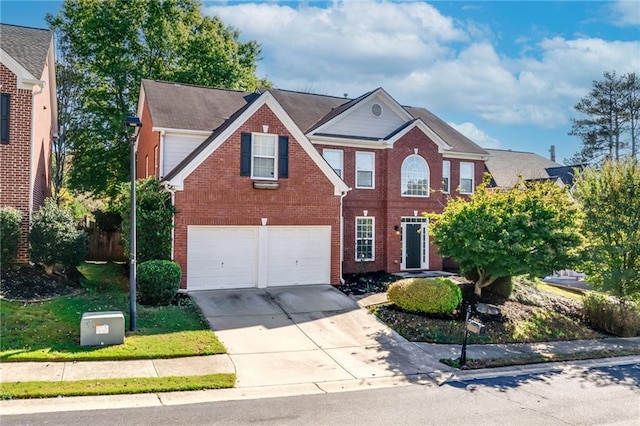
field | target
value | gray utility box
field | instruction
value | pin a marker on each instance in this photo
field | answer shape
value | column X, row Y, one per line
column 102, row 328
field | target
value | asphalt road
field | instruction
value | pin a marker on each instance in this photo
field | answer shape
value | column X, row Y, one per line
column 578, row 396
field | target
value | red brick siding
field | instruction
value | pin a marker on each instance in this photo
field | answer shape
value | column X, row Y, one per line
column 216, row 194
column 15, row 160
column 148, row 140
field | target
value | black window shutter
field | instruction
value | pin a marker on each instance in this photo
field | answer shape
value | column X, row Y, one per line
column 283, row 156
column 245, row 154
column 4, row 118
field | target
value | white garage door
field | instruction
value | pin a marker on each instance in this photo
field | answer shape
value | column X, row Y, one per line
column 299, row 255
column 222, row 257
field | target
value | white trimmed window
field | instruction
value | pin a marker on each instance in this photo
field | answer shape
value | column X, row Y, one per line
column 446, row 176
column 263, row 158
column 365, row 172
column 156, row 161
column 365, row 233
column 414, row 177
column 466, row 178
column 334, row 158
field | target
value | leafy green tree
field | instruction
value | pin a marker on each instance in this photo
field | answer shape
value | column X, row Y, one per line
column 608, row 125
column 154, row 216
column 55, row 238
column 528, row 229
column 110, row 45
column 610, row 198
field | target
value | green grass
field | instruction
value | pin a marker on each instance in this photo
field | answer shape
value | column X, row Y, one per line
column 50, row 331
column 18, row 390
column 571, row 294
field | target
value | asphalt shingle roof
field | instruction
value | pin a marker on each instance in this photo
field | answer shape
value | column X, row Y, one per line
column 183, row 106
column 507, row 166
column 28, row 46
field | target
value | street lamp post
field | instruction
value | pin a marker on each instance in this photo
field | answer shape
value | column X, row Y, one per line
column 136, row 124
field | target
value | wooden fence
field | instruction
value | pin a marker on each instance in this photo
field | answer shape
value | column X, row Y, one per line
column 104, row 246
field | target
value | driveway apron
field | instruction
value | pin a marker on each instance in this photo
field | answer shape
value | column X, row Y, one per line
column 307, row 334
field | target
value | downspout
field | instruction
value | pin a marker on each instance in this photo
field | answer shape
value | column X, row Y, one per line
column 32, row 143
column 160, row 156
column 344, row 194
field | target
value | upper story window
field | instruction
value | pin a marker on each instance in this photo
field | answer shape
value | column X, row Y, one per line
column 466, row 178
column 4, row 118
column 446, row 176
column 415, row 177
column 365, row 171
column 334, row 158
column 365, row 233
column 264, row 156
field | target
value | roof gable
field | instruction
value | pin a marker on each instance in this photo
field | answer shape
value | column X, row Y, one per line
column 27, row 47
column 188, row 165
column 373, row 116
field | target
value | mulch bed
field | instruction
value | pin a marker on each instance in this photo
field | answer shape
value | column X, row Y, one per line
column 32, row 284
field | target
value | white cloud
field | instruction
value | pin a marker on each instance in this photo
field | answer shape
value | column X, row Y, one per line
column 625, row 13
column 478, row 136
column 424, row 58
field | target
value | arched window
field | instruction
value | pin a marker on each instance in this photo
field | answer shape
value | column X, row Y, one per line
column 415, row 177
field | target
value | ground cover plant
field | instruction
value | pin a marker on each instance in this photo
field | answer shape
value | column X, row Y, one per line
column 50, row 330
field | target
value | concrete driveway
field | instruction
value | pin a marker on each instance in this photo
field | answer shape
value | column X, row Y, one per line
column 308, row 334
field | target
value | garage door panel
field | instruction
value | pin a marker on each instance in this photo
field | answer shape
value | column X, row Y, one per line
column 222, row 257
column 299, row 255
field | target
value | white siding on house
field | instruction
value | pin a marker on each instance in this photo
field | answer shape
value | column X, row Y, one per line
column 361, row 122
column 176, row 148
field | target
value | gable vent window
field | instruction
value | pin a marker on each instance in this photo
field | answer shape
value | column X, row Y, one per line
column 4, row 119
column 376, row 110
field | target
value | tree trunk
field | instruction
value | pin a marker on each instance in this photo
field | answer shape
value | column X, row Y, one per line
column 48, row 269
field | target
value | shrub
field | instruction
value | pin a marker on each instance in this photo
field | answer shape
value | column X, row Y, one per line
column 10, row 220
column 158, row 281
column 55, row 239
column 431, row 296
column 612, row 315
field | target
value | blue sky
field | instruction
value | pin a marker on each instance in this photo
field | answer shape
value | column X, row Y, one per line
column 505, row 73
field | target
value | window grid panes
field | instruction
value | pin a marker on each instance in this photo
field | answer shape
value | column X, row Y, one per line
column 364, row 238
column 415, row 177
column 364, row 169
column 264, row 156
column 334, row 158
column 446, row 177
column 466, row 178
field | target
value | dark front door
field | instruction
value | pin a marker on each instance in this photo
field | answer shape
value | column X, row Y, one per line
column 413, row 246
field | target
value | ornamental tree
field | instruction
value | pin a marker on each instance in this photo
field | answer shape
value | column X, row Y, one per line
column 610, row 198
column 531, row 229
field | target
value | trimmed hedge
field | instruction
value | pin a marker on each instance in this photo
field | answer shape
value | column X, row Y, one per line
column 158, row 282
column 10, row 219
column 611, row 315
column 425, row 295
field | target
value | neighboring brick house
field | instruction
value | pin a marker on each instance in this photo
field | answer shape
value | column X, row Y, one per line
column 282, row 188
column 28, row 121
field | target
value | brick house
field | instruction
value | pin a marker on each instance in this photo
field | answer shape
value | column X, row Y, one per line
column 28, row 121
column 278, row 187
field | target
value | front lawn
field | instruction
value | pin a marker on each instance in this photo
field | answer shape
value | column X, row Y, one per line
column 50, row 330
